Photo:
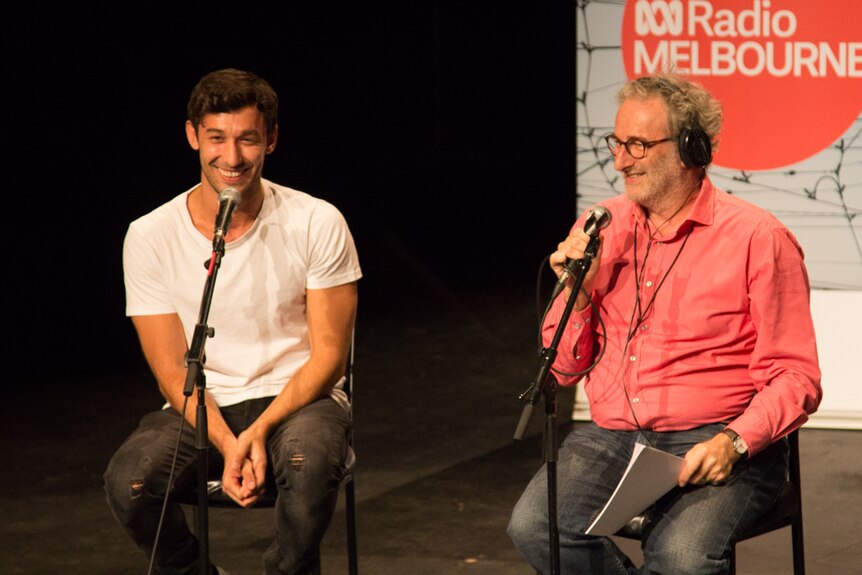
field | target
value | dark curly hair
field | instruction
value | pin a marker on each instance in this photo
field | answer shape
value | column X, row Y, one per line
column 230, row 90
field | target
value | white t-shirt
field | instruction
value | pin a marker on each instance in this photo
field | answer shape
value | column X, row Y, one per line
column 258, row 306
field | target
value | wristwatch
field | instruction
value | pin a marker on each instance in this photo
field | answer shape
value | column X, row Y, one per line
column 739, row 445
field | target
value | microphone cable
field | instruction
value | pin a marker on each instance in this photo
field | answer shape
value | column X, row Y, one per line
column 542, row 315
column 168, row 488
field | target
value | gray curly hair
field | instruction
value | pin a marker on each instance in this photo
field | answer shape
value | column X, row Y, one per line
column 688, row 103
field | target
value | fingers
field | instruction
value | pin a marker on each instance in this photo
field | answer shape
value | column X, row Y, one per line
column 258, row 463
column 249, row 481
column 571, row 248
column 231, row 480
column 240, row 484
column 244, row 477
column 252, row 486
column 706, row 463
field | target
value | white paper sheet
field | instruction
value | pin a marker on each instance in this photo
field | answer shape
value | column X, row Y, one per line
column 650, row 474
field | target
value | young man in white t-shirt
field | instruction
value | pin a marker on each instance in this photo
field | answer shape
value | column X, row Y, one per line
column 283, row 309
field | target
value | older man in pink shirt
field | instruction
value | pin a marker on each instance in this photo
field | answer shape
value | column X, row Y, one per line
column 692, row 333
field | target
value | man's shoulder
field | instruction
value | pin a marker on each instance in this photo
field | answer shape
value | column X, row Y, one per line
column 282, row 191
column 291, row 203
column 732, row 206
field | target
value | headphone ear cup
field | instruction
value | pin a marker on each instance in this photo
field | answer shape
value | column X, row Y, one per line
column 695, row 148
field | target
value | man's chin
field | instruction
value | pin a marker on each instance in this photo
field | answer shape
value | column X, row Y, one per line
column 632, row 193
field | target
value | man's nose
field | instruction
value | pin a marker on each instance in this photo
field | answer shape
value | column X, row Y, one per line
column 622, row 158
column 233, row 154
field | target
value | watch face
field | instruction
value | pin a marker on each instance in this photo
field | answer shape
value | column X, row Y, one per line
column 738, row 443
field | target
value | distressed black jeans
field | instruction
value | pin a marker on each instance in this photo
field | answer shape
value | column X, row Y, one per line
column 306, row 463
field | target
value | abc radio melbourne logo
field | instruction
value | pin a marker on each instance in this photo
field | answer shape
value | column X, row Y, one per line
column 788, row 72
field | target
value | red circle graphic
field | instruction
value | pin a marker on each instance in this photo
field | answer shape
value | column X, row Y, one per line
column 788, row 72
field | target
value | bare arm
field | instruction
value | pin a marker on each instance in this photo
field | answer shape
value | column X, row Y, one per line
column 331, row 314
column 164, row 345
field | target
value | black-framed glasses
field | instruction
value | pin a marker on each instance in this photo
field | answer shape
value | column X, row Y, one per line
column 635, row 147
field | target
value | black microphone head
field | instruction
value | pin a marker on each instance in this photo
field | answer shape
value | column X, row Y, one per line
column 231, row 195
column 598, row 219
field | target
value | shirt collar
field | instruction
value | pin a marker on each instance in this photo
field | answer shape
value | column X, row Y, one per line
column 702, row 210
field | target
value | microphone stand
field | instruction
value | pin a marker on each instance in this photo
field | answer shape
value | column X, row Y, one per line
column 545, row 384
column 196, row 379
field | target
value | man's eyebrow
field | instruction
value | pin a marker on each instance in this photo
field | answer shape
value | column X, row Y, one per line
column 242, row 134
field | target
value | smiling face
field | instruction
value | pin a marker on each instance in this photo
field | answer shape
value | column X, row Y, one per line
column 656, row 180
column 232, row 148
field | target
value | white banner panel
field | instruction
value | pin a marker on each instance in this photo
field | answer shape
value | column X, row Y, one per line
column 789, row 74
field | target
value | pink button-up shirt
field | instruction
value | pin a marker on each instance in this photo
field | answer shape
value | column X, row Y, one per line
column 728, row 336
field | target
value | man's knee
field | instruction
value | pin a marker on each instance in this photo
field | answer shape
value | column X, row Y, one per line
column 302, row 462
column 687, row 559
column 528, row 526
column 315, row 454
column 696, row 550
column 135, row 473
column 125, row 482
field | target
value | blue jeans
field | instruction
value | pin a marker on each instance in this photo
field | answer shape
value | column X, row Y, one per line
column 694, row 527
column 306, row 457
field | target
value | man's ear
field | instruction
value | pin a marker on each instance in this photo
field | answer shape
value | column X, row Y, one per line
column 273, row 138
column 192, row 135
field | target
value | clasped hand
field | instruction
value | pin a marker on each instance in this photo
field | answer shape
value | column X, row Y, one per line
column 244, row 477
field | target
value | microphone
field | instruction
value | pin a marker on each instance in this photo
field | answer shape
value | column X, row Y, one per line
column 598, row 219
column 228, row 200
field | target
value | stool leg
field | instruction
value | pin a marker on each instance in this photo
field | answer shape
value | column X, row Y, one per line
column 733, row 561
column 350, row 509
column 798, row 547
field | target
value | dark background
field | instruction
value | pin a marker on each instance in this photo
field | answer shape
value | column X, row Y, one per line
column 444, row 131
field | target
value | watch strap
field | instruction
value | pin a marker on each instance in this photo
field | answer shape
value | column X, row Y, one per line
column 739, row 445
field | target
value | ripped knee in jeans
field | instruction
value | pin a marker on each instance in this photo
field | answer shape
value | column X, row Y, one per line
column 136, row 488
column 297, row 460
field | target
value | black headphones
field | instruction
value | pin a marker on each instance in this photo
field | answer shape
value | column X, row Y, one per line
column 695, row 148
column 694, row 145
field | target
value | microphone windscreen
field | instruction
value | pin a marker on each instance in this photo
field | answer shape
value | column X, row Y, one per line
column 231, row 195
column 598, row 219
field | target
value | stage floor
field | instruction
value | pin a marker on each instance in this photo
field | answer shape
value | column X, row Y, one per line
column 437, row 380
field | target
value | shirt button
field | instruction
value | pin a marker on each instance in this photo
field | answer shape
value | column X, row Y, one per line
column 636, row 400
column 577, row 325
column 644, row 327
column 632, row 358
column 649, row 283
